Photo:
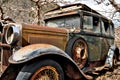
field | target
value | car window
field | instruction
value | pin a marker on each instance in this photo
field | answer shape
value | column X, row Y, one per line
column 91, row 23
column 105, row 28
column 87, row 22
column 56, row 22
column 72, row 22
column 69, row 22
column 111, row 30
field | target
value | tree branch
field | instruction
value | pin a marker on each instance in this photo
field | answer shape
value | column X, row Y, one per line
column 99, row 2
column 2, row 13
column 115, row 5
column 7, row 18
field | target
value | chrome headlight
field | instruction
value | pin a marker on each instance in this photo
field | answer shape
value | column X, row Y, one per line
column 12, row 34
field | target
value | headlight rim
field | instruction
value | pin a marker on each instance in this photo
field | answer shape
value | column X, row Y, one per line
column 15, row 34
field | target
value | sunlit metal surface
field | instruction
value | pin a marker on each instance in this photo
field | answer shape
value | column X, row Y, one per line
column 32, row 51
column 13, row 34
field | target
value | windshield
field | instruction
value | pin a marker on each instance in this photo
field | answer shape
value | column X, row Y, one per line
column 72, row 21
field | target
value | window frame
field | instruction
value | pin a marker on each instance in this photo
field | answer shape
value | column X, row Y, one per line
column 92, row 15
column 110, row 34
column 65, row 19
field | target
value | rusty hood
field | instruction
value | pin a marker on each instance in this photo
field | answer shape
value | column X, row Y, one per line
column 34, row 34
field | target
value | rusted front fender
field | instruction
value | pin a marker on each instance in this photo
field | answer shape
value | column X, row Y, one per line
column 33, row 51
column 46, row 51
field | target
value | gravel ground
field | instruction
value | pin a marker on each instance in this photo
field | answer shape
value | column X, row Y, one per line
column 107, row 75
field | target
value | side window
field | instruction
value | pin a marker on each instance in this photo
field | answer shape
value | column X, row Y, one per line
column 91, row 23
column 105, row 27
column 87, row 22
column 96, row 24
column 111, row 30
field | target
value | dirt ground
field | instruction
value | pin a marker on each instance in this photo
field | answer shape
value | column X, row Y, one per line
column 110, row 75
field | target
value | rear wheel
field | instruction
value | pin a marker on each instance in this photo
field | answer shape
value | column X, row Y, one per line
column 43, row 70
column 80, row 53
column 114, row 61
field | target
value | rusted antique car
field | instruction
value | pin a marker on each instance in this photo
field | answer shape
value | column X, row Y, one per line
column 75, row 40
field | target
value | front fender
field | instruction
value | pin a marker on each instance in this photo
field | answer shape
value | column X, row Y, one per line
column 32, row 51
column 38, row 51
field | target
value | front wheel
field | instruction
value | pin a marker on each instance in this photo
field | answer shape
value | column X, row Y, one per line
column 41, row 70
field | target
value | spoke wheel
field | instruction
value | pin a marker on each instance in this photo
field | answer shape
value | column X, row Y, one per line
column 41, row 70
column 80, row 54
column 46, row 73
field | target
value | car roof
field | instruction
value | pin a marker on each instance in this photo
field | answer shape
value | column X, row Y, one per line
column 70, row 9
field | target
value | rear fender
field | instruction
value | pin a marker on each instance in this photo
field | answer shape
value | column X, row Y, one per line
column 113, row 50
column 46, row 51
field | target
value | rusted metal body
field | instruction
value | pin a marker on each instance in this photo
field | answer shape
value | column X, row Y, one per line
column 32, row 34
column 78, row 38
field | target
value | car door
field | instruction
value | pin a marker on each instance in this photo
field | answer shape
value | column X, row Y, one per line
column 92, row 34
column 106, row 38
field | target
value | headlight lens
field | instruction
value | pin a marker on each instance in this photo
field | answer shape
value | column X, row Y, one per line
column 12, row 34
